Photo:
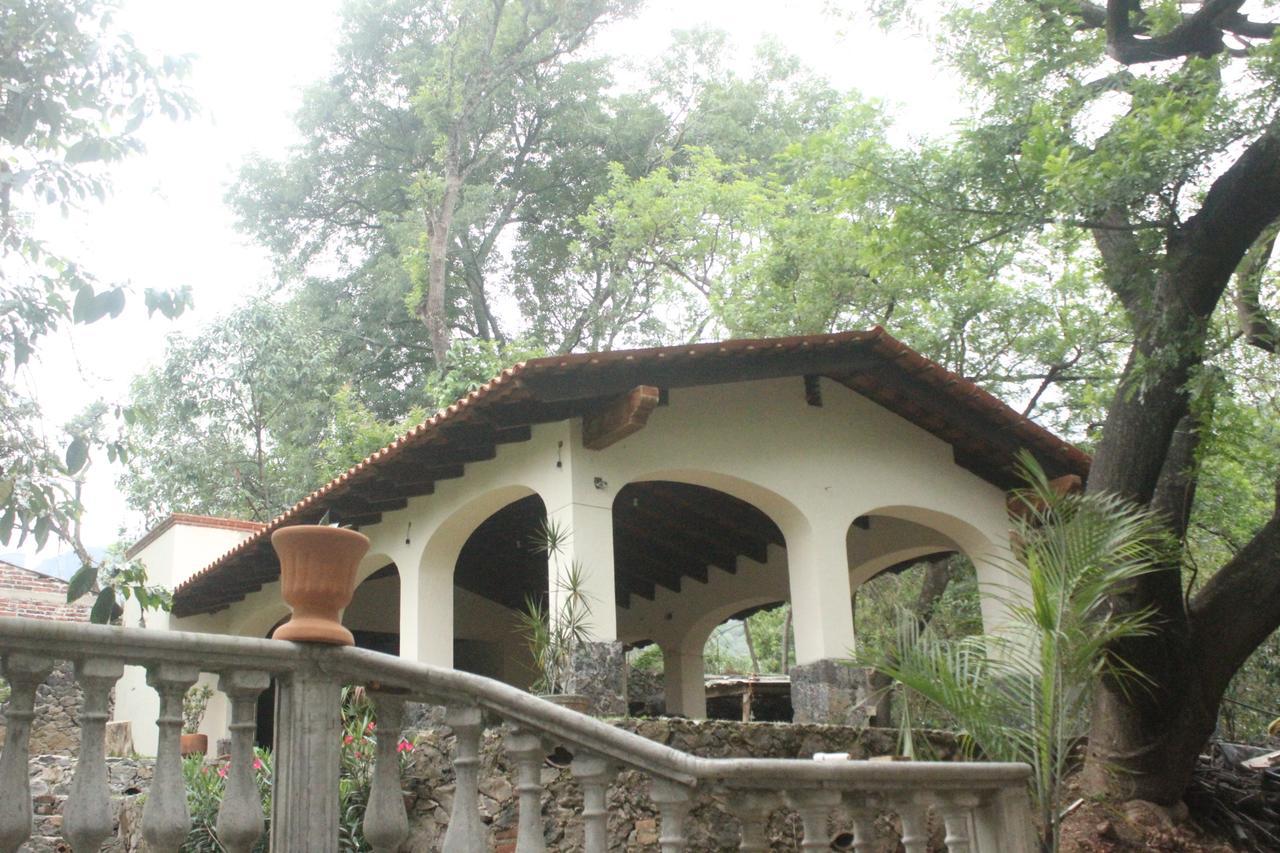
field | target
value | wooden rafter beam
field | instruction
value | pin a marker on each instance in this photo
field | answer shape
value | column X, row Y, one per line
column 623, row 416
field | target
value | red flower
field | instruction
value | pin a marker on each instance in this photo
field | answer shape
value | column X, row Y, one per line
column 257, row 763
column 404, row 746
column 348, row 740
column 370, row 727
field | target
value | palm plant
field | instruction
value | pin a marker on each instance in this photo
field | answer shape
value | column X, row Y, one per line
column 553, row 637
column 1022, row 693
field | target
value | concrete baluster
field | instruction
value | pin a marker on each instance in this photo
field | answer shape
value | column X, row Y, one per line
column 240, row 821
column 594, row 775
column 308, row 746
column 915, row 826
column 814, row 807
column 24, row 674
column 528, row 754
column 752, row 809
column 88, row 820
column 466, row 833
column 957, row 817
column 673, row 802
column 386, row 824
column 165, row 819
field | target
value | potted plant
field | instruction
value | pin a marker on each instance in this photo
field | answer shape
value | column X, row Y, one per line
column 318, row 566
column 194, row 704
column 553, row 641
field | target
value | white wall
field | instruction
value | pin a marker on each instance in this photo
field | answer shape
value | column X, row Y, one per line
column 172, row 557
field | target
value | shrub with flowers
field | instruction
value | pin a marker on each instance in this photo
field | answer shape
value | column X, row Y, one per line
column 206, row 782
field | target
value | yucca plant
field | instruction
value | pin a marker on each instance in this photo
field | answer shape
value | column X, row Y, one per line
column 1022, row 694
column 552, row 641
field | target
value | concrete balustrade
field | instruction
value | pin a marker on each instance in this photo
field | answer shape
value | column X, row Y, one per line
column 984, row 806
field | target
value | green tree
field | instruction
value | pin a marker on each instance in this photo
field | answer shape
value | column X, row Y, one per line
column 74, row 92
column 1019, row 695
column 1149, row 131
column 238, row 420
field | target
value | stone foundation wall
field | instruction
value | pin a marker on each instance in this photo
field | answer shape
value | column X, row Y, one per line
column 51, row 775
column 633, row 822
column 56, row 727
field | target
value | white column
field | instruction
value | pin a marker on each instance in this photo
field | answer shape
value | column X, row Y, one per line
column 684, row 685
column 587, row 529
column 426, row 613
column 818, row 569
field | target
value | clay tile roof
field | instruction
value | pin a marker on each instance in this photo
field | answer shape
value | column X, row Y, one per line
column 984, row 432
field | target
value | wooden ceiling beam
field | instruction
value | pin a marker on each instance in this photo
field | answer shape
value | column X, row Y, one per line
column 674, row 526
column 625, row 415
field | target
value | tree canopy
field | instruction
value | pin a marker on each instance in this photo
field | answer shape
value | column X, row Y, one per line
column 1094, row 240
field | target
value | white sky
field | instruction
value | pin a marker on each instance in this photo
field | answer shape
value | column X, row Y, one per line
column 166, row 224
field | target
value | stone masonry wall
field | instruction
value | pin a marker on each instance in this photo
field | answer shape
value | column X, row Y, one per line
column 55, row 730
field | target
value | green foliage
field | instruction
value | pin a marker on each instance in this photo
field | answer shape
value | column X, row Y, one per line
column 230, row 422
column 554, row 630
column 1022, row 694
column 194, row 703
column 75, row 90
column 114, row 581
column 206, row 784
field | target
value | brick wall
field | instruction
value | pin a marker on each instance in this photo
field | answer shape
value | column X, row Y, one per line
column 37, row 596
column 56, row 729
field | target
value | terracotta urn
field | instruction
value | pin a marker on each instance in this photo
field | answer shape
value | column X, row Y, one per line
column 317, row 578
column 193, row 744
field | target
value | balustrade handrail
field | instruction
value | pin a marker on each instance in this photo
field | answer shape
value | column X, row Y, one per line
column 180, row 654
column 439, row 685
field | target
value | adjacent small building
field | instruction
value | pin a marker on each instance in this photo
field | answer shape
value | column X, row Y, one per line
column 690, row 483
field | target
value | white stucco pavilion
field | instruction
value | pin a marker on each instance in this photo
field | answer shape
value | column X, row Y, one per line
column 694, row 483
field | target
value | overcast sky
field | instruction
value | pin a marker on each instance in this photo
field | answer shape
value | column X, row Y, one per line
column 166, row 224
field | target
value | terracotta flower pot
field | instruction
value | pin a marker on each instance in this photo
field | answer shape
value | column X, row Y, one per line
column 196, row 744
column 317, row 578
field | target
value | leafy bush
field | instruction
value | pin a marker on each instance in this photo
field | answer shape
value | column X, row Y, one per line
column 206, row 783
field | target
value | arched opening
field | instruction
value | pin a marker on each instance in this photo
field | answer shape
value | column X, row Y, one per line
column 909, row 563
column 686, row 558
column 373, row 616
column 747, row 658
column 499, row 569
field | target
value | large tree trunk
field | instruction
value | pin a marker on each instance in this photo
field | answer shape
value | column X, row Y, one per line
column 431, row 308
column 937, row 576
column 1145, row 734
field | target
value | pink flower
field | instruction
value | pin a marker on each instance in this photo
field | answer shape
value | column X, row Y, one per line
column 404, row 746
column 358, row 755
column 222, row 771
column 370, row 727
column 257, row 763
column 348, row 740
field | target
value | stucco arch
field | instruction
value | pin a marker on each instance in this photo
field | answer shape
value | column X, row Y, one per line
column 372, row 562
column 444, row 544
column 965, row 534
column 427, row 584
column 785, row 514
column 991, row 557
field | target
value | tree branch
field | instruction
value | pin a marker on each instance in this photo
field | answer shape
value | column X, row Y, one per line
column 1199, row 34
column 1256, row 327
column 1240, row 604
column 1240, row 205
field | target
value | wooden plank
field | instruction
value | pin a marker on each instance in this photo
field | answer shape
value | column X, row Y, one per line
column 619, row 418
